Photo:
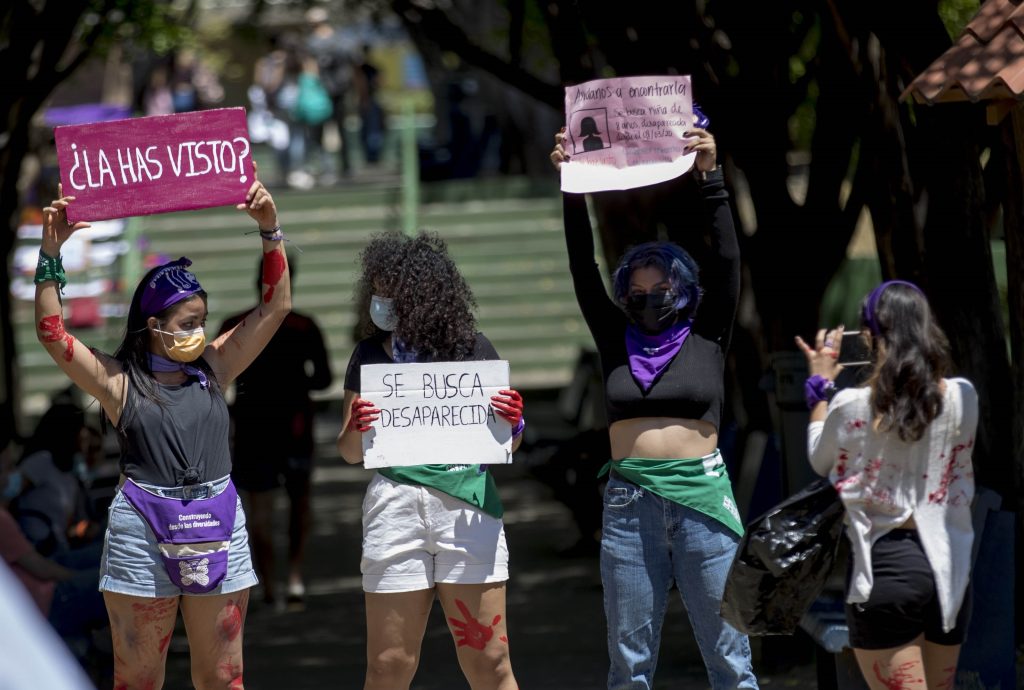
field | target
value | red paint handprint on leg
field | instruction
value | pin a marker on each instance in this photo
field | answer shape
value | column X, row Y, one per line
column 471, row 632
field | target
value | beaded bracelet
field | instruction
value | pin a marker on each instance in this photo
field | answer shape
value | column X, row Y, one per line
column 818, row 389
column 275, row 234
column 50, row 268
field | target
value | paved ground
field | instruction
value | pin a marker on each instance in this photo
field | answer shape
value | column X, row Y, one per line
column 555, row 614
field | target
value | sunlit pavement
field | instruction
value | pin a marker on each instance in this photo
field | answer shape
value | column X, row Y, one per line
column 555, row 614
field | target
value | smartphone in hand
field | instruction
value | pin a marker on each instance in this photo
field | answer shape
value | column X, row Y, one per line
column 854, row 350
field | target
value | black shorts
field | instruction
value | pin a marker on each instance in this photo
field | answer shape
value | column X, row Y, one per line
column 903, row 603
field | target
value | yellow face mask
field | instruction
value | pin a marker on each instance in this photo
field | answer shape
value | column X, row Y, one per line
column 188, row 345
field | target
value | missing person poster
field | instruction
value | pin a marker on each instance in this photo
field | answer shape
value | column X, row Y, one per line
column 626, row 132
column 436, row 413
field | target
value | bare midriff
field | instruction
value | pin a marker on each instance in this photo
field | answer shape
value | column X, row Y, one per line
column 662, row 438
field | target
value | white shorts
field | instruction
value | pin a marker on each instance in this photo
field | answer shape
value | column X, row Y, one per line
column 415, row 536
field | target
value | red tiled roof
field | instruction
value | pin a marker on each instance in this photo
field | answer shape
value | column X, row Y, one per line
column 986, row 62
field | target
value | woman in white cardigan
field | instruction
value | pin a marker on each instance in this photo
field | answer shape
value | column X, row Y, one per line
column 898, row 451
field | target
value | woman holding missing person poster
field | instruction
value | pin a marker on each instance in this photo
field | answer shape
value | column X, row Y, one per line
column 427, row 527
column 669, row 513
column 176, row 536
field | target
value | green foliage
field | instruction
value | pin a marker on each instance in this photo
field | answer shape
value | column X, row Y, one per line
column 955, row 14
column 156, row 25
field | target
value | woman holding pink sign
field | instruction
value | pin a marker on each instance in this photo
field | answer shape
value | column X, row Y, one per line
column 176, row 534
column 669, row 511
column 427, row 529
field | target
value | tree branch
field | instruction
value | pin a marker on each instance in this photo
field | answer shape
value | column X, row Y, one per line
column 435, row 26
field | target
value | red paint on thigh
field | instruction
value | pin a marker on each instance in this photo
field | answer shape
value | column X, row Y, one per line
column 165, row 642
column 471, row 632
column 229, row 622
column 900, row 677
column 273, row 269
column 155, row 610
column 51, row 328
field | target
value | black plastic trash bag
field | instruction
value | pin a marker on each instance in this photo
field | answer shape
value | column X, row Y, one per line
column 783, row 562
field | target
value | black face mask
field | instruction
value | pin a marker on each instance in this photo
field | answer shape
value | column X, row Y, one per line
column 653, row 312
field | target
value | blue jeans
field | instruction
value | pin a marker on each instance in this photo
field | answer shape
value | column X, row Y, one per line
column 648, row 542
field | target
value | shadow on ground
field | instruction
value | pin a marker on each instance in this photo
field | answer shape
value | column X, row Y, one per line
column 555, row 613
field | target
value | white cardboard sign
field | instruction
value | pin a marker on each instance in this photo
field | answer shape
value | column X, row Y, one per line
column 435, row 413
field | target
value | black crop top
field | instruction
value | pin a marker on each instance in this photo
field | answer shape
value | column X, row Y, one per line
column 692, row 386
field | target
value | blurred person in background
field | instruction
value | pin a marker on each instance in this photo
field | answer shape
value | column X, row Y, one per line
column 49, row 501
column 371, row 115
column 273, row 439
column 333, row 54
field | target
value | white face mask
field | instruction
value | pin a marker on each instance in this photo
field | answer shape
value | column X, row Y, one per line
column 382, row 313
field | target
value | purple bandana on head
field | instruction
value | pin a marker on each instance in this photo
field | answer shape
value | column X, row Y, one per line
column 169, row 285
column 158, row 363
column 650, row 354
column 870, row 314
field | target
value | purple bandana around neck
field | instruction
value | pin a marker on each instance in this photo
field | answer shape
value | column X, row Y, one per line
column 649, row 355
column 162, row 364
column 170, row 285
column 402, row 353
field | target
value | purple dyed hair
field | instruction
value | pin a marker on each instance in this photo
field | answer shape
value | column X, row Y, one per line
column 674, row 261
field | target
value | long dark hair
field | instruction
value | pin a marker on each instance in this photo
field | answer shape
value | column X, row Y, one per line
column 432, row 300
column 912, row 355
column 133, row 352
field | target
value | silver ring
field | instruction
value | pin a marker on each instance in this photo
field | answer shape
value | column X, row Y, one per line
column 829, row 343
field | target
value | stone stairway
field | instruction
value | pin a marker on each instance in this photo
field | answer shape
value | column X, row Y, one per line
column 505, row 235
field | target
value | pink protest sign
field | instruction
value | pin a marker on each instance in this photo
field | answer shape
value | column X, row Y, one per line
column 626, row 132
column 156, row 164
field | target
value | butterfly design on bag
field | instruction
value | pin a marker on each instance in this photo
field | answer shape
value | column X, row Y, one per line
column 197, row 571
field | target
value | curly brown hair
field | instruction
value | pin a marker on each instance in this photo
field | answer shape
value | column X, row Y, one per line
column 432, row 300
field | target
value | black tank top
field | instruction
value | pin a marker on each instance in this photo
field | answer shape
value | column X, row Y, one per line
column 159, row 444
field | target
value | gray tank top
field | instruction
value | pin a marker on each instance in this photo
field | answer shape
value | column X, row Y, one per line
column 160, row 445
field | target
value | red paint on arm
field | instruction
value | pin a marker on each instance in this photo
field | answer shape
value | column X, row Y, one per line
column 273, row 269
column 52, row 330
column 471, row 632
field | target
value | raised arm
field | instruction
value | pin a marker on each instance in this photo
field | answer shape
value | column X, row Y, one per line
column 599, row 311
column 233, row 351
column 719, row 269
column 98, row 375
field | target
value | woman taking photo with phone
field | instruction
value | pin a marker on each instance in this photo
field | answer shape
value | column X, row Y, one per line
column 427, row 529
column 669, row 512
column 176, row 536
column 898, row 451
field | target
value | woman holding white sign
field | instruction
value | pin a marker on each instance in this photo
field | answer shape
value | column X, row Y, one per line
column 176, row 534
column 427, row 527
column 669, row 512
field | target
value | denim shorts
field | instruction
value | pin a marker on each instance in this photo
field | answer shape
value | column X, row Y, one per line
column 131, row 562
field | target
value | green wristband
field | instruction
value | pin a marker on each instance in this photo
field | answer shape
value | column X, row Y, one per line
column 50, row 268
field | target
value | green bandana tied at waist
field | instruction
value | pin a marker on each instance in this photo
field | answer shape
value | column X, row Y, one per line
column 698, row 483
column 470, row 483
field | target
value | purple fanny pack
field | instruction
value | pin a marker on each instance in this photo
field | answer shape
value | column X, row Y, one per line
column 193, row 533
